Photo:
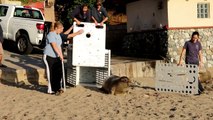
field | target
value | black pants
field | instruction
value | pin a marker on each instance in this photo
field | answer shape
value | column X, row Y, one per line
column 54, row 73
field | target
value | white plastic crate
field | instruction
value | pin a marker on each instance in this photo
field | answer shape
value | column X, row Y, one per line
column 179, row 79
column 71, row 75
column 89, row 47
column 90, row 76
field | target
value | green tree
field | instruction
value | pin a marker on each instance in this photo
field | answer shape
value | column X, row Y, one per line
column 89, row 2
column 67, row 6
column 27, row 1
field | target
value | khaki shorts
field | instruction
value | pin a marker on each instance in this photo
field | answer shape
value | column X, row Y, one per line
column 1, row 49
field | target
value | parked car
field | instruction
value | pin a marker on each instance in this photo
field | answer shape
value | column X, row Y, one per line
column 24, row 25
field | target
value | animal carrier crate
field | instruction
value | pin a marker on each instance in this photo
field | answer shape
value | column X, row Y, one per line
column 179, row 79
column 88, row 62
column 88, row 76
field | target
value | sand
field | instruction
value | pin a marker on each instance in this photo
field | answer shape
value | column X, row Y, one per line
column 25, row 102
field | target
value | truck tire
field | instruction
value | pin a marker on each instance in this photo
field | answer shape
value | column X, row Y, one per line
column 23, row 44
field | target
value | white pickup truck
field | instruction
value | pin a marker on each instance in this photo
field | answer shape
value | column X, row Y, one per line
column 24, row 25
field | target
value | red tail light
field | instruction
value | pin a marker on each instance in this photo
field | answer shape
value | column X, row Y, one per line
column 40, row 26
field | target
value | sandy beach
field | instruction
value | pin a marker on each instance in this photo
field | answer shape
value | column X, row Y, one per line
column 27, row 102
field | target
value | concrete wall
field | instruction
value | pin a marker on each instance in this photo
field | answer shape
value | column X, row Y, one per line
column 49, row 14
column 183, row 13
column 146, row 14
column 49, row 11
column 139, row 69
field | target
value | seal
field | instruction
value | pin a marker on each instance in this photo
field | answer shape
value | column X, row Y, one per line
column 116, row 85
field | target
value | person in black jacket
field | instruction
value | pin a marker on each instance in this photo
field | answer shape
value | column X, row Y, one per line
column 99, row 13
column 81, row 14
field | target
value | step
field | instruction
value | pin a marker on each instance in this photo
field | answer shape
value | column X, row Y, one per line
column 28, row 76
column 31, row 71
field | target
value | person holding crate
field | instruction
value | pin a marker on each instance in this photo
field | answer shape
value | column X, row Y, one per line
column 193, row 54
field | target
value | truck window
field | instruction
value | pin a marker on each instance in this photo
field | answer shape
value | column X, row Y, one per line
column 28, row 13
column 3, row 10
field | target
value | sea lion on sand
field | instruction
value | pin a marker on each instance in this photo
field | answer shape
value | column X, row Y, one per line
column 116, row 85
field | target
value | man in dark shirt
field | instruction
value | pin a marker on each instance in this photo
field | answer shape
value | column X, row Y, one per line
column 99, row 13
column 81, row 14
column 192, row 49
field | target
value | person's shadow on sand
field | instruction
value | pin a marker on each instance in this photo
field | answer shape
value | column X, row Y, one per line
column 39, row 88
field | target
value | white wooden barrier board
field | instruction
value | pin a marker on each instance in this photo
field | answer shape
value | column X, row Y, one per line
column 89, row 47
column 179, row 79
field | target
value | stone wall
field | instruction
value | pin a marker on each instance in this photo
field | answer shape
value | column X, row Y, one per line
column 177, row 38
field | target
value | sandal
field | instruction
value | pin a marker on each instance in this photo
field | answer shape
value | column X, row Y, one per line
column 57, row 93
column 61, row 91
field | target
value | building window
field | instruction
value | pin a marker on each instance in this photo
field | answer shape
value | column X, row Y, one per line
column 203, row 10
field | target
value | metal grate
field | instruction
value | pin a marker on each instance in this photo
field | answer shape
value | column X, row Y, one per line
column 101, row 75
column 71, row 75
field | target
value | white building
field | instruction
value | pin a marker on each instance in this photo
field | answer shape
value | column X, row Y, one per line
column 152, row 14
